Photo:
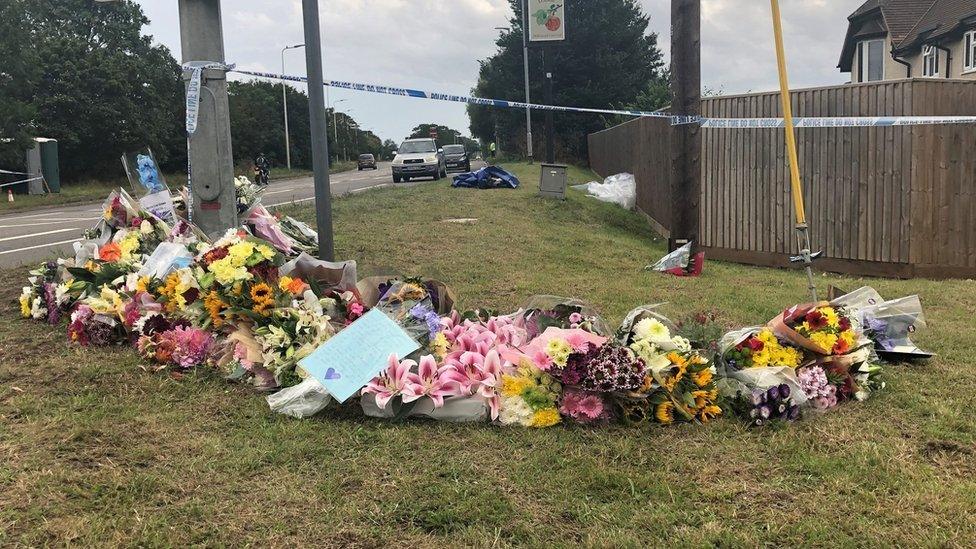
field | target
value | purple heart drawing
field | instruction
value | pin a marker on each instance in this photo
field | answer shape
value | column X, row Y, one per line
column 331, row 373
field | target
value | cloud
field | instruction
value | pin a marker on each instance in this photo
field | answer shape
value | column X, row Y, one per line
column 436, row 45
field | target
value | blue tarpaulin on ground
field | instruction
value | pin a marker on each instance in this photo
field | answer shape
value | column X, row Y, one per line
column 489, row 177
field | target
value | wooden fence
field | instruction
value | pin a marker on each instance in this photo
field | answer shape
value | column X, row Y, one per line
column 895, row 201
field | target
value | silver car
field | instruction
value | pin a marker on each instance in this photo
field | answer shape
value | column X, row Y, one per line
column 419, row 158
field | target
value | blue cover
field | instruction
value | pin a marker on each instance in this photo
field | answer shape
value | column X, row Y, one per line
column 489, row 177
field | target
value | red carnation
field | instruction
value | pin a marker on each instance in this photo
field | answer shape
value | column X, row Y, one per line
column 214, row 255
column 816, row 319
column 755, row 345
column 844, row 323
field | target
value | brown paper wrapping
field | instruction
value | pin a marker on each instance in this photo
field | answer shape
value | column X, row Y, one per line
column 370, row 294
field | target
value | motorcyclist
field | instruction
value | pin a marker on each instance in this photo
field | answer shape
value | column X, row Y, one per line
column 261, row 169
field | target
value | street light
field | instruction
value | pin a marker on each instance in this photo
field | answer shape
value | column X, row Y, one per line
column 525, row 64
column 284, row 100
column 335, row 126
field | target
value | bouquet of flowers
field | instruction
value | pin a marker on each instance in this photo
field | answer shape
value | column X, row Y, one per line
column 248, row 194
column 47, row 296
column 239, row 276
column 545, row 311
column 405, row 382
column 529, row 397
column 819, row 328
column 768, row 407
column 291, row 334
column 304, row 238
column 88, row 327
column 758, row 348
column 685, row 389
column 179, row 346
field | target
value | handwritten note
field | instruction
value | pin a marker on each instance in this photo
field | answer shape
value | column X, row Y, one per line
column 349, row 360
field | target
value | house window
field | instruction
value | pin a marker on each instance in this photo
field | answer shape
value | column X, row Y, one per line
column 930, row 61
column 969, row 53
column 870, row 60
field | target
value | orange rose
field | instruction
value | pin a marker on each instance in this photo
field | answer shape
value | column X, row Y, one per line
column 110, row 252
column 297, row 286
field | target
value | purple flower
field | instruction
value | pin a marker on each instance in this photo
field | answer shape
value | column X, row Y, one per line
column 772, row 394
column 784, row 391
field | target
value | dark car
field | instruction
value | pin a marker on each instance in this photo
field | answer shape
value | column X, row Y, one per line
column 457, row 158
column 366, row 161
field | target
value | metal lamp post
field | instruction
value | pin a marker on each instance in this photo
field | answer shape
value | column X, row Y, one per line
column 284, row 101
column 525, row 63
column 335, row 127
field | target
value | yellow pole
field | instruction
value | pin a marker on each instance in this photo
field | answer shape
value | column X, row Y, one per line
column 784, row 92
column 802, row 230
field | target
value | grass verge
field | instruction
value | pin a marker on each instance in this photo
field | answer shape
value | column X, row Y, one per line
column 94, row 450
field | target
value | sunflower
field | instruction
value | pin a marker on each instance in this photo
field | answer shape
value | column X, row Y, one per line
column 664, row 413
column 709, row 412
column 214, row 306
column 702, row 378
column 263, row 297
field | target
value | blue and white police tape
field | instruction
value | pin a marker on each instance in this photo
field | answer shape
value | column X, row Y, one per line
column 13, row 173
column 705, row 122
column 834, row 122
column 196, row 69
column 21, row 181
column 420, row 94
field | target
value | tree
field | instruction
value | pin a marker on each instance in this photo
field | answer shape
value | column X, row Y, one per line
column 608, row 60
column 18, row 77
column 103, row 89
column 257, row 123
column 445, row 136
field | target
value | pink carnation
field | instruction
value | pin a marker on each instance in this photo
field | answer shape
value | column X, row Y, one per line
column 582, row 406
column 191, row 346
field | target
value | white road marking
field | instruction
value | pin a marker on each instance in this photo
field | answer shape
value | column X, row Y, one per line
column 39, row 246
column 50, row 222
column 45, row 214
column 21, row 237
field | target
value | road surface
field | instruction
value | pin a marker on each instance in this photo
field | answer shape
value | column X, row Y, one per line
column 35, row 236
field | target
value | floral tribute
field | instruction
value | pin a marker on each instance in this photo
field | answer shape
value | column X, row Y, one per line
column 251, row 305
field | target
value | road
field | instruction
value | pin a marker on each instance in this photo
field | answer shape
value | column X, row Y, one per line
column 39, row 235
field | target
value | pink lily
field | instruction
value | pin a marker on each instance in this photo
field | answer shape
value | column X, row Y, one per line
column 392, row 382
column 467, row 372
column 490, row 387
column 429, row 381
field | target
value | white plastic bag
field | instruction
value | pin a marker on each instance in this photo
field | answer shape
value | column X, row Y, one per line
column 676, row 259
column 301, row 401
column 165, row 258
column 620, row 189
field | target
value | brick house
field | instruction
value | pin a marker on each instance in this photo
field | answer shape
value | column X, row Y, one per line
column 892, row 39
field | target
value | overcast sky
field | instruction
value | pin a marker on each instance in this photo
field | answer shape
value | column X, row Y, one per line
column 436, row 44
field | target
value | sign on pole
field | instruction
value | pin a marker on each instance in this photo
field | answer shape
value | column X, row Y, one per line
column 547, row 20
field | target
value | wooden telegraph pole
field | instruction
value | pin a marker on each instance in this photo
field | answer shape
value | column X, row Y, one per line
column 685, row 138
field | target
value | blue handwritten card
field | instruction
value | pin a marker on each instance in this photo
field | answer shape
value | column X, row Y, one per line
column 350, row 359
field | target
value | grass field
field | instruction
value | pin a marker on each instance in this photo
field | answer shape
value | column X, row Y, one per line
column 96, row 451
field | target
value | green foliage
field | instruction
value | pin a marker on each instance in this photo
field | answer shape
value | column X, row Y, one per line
column 18, row 75
column 445, row 136
column 608, row 60
column 103, row 88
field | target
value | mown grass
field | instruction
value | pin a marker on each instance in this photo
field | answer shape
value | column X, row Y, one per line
column 96, row 451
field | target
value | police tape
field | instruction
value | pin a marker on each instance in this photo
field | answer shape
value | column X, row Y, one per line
column 834, row 122
column 704, row 122
column 21, row 181
column 196, row 69
column 13, row 173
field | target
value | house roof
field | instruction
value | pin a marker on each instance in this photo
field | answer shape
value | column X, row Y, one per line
column 907, row 22
column 941, row 19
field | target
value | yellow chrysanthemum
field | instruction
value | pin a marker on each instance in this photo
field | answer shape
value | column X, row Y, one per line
column 25, row 306
column 833, row 320
column 559, row 351
column 439, row 345
column 545, row 418
column 129, row 245
column 824, row 339
column 513, row 386
column 239, row 253
column 284, row 282
column 265, row 251
column 225, row 272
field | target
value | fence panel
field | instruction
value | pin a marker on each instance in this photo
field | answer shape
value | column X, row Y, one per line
column 892, row 201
